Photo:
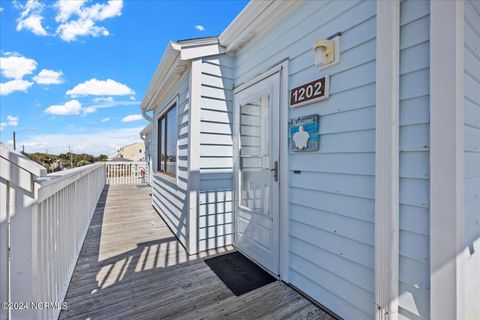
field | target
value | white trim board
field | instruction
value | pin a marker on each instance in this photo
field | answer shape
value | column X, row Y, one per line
column 446, row 159
column 387, row 160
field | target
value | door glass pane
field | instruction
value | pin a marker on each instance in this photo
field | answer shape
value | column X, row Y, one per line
column 172, row 141
column 161, row 137
column 254, row 156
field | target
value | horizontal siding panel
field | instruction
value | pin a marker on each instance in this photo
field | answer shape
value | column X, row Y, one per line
column 472, row 164
column 218, row 70
column 353, row 251
column 216, row 139
column 415, row 110
column 357, row 98
column 471, row 137
column 346, row 163
column 343, row 307
column 357, row 141
column 358, row 208
column 415, row 246
column 354, row 229
column 216, row 93
column 216, row 115
column 358, row 297
column 217, row 81
column 415, row 192
column 413, row 10
column 349, row 271
column 415, row 137
column 415, row 58
column 415, row 165
column 472, row 113
column 216, row 127
column 358, row 186
column 415, row 33
column 215, row 162
column 415, row 84
column 353, row 120
column 415, row 219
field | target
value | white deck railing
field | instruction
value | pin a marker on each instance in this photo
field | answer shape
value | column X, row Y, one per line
column 122, row 172
column 43, row 221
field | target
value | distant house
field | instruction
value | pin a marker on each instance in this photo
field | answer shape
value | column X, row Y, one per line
column 131, row 152
column 334, row 143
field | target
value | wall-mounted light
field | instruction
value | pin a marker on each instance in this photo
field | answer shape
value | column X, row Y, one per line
column 327, row 51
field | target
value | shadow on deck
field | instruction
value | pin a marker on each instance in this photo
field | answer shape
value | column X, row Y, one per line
column 131, row 266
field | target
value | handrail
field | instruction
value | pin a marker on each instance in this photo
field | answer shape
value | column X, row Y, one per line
column 45, row 230
column 55, row 181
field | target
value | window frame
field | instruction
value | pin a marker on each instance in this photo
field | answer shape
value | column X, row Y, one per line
column 161, row 130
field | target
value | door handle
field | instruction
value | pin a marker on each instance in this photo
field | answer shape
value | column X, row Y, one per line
column 275, row 170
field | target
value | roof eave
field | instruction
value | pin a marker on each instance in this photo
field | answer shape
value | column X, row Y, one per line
column 175, row 61
column 256, row 17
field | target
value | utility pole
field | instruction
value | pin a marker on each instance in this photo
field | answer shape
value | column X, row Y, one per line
column 14, row 140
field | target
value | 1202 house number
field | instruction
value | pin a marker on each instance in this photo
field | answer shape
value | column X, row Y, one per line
column 309, row 92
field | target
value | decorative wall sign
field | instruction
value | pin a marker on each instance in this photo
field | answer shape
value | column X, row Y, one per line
column 310, row 92
column 303, row 133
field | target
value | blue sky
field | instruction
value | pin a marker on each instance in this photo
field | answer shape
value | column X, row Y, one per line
column 76, row 71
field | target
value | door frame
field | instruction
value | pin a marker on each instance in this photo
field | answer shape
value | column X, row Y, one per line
column 283, row 203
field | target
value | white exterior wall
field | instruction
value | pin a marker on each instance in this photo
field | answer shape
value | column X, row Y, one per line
column 414, row 268
column 472, row 158
column 331, row 202
column 216, row 152
column 169, row 195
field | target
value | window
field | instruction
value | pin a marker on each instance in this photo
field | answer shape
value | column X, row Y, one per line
column 167, row 142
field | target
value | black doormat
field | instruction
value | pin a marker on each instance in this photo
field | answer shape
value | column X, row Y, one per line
column 239, row 273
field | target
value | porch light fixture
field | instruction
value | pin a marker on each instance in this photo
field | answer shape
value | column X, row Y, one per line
column 327, row 51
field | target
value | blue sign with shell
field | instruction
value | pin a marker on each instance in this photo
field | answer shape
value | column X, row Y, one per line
column 303, row 133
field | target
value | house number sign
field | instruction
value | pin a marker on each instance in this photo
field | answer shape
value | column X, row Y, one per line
column 309, row 92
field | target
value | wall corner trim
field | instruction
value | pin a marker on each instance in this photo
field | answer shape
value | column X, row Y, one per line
column 446, row 159
column 387, row 160
column 194, row 154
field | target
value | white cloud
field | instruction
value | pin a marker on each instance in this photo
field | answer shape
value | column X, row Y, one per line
column 89, row 110
column 1, row 9
column 31, row 18
column 199, row 27
column 16, row 66
column 66, row 8
column 14, row 85
column 86, row 18
column 48, row 77
column 12, row 121
column 132, row 117
column 73, row 29
column 93, row 142
column 103, row 99
column 106, row 119
column 71, row 107
column 96, row 87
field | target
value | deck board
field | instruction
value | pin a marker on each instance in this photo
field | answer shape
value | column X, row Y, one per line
column 131, row 266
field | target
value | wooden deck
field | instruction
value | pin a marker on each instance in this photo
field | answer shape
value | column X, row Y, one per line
column 131, row 266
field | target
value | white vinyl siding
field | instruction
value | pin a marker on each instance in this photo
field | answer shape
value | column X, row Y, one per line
column 331, row 201
column 169, row 195
column 472, row 156
column 216, row 153
column 414, row 277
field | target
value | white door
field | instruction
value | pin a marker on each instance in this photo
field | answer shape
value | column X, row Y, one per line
column 256, row 112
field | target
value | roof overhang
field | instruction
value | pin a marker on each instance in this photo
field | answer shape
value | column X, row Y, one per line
column 146, row 131
column 175, row 61
column 255, row 18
